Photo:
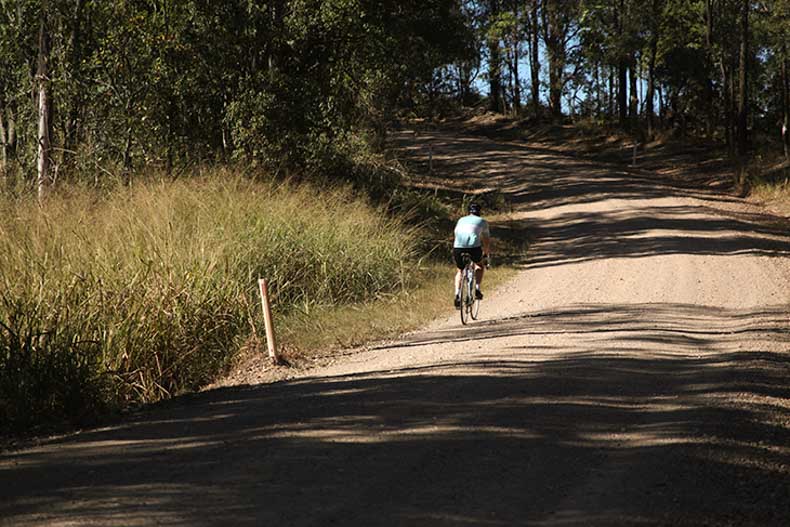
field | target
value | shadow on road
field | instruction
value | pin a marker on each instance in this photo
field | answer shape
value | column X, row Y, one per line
column 532, row 441
column 536, row 176
column 579, row 237
column 542, row 179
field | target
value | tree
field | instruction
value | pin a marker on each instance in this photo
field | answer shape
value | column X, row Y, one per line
column 743, row 82
column 293, row 84
column 654, row 29
column 494, row 60
column 75, row 46
column 534, row 54
column 785, row 103
column 560, row 28
column 506, row 29
column 44, row 104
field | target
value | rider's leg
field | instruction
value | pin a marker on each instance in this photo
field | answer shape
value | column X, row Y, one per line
column 479, row 278
column 458, row 282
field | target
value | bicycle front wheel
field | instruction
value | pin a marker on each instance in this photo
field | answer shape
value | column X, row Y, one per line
column 474, row 303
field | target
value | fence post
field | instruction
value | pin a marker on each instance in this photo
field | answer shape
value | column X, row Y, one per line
column 271, row 343
column 636, row 146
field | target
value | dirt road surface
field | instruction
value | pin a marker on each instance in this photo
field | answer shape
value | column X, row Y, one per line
column 635, row 372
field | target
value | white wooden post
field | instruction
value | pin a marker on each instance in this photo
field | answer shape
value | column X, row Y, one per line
column 271, row 343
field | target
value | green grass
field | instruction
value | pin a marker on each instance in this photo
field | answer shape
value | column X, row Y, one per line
column 132, row 297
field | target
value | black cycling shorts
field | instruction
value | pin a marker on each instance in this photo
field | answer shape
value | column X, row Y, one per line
column 476, row 253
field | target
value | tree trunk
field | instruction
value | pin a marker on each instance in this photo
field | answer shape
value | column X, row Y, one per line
column 785, row 104
column 75, row 109
column 3, row 133
column 128, row 144
column 633, row 104
column 9, row 143
column 726, row 69
column 726, row 99
column 534, row 61
column 507, row 95
column 640, row 89
column 494, row 64
column 11, row 136
column 3, row 146
column 622, row 95
column 743, row 84
column 555, row 47
column 44, row 180
column 461, row 84
column 598, row 106
column 622, row 66
column 272, row 59
column 651, row 75
column 127, row 155
column 612, row 90
column 514, row 70
column 710, row 118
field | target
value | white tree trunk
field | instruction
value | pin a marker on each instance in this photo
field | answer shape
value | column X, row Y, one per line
column 3, row 145
column 42, row 77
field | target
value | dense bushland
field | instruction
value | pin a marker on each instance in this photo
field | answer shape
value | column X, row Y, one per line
column 288, row 84
column 146, row 292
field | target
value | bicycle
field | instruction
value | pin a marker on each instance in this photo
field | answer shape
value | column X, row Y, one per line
column 470, row 305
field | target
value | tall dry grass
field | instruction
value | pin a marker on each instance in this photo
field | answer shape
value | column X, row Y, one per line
column 148, row 292
column 774, row 192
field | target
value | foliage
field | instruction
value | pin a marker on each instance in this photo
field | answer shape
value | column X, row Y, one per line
column 160, row 82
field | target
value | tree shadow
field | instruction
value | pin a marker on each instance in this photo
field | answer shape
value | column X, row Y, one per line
column 578, row 237
column 535, row 176
column 541, row 179
column 535, row 179
column 561, row 435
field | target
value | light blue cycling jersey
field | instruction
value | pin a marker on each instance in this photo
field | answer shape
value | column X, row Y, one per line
column 470, row 231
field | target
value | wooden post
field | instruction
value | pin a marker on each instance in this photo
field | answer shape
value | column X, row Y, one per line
column 430, row 158
column 271, row 343
column 636, row 146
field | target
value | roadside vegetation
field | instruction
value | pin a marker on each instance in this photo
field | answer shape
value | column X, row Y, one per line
column 144, row 293
column 774, row 193
column 115, row 299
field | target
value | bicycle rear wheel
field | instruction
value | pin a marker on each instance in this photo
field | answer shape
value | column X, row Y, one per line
column 466, row 300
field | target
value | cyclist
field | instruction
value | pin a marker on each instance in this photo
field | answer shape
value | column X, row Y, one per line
column 473, row 237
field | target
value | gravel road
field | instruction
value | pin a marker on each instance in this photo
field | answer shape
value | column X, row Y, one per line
column 635, row 372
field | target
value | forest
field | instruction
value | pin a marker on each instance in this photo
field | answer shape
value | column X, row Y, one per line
column 95, row 90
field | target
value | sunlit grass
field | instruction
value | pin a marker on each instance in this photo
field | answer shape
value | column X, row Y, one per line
column 774, row 194
column 135, row 296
